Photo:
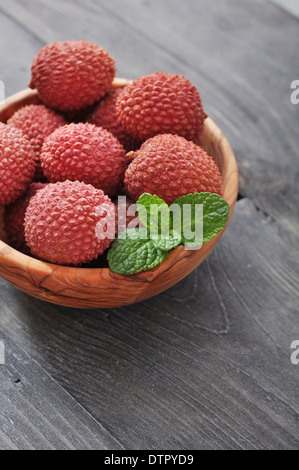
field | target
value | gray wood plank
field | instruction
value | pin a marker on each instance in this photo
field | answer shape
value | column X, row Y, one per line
column 17, row 46
column 37, row 413
column 205, row 365
column 292, row 6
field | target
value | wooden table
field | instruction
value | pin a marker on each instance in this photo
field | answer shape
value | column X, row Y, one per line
column 207, row 364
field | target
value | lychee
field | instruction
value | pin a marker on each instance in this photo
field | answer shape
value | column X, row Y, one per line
column 36, row 121
column 104, row 115
column 17, row 164
column 69, row 223
column 72, row 74
column 86, row 153
column 14, row 216
column 161, row 103
column 170, row 167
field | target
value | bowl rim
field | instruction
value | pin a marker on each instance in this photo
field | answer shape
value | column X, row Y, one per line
column 16, row 260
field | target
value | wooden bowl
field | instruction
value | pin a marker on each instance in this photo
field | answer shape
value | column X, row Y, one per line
column 95, row 287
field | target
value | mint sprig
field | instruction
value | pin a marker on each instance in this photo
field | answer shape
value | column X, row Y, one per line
column 192, row 220
column 136, row 252
column 215, row 214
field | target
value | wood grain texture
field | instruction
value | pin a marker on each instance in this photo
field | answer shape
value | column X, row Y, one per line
column 39, row 417
column 100, row 287
column 206, row 364
column 291, row 6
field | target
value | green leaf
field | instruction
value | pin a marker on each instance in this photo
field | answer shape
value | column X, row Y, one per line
column 153, row 213
column 135, row 253
column 192, row 219
column 213, row 219
column 167, row 242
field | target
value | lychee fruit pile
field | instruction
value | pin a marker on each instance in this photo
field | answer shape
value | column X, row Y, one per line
column 170, row 166
column 72, row 74
column 17, row 164
column 84, row 152
column 36, row 122
column 60, row 178
column 105, row 115
column 14, row 216
column 161, row 103
column 64, row 215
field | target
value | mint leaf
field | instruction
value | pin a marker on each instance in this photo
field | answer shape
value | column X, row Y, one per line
column 192, row 220
column 135, row 253
column 153, row 213
column 168, row 241
column 214, row 217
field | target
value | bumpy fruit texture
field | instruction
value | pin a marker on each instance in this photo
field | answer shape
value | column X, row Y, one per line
column 161, row 103
column 72, row 74
column 170, row 167
column 61, row 222
column 14, row 216
column 104, row 115
column 86, row 153
column 36, row 121
column 17, row 164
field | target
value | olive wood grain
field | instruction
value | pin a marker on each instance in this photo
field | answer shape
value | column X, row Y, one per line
column 100, row 287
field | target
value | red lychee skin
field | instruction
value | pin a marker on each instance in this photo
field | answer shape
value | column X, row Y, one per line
column 170, row 167
column 61, row 222
column 14, row 216
column 104, row 115
column 86, row 153
column 161, row 103
column 36, row 121
column 72, row 74
column 17, row 164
